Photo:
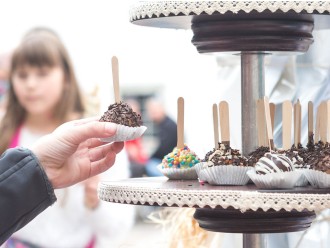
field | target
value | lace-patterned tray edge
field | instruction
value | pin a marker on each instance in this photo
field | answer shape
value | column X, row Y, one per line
column 145, row 9
column 241, row 200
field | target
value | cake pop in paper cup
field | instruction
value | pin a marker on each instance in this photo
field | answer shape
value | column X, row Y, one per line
column 274, row 171
column 225, row 166
column 179, row 164
column 129, row 122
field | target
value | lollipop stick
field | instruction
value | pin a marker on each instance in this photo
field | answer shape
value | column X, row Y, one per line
column 180, row 124
column 272, row 115
column 115, row 78
column 318, row 124
column 310, row 121
column 297, row 123
column 215, row 126
column 268, row 124
column 323, row 121
column 259, row 123
column 287, row 124
column 328, row 120
column 224, row 122
column 262, row 123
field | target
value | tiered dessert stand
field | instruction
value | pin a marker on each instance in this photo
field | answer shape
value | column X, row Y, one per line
column 251, row 29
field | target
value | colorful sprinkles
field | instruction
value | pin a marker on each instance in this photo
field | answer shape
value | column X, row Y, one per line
column 182, row 158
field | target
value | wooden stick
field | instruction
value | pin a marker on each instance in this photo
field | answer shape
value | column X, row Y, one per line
column 262, row 123
column 317, row 125
column 180, row 123
column 272, row 115
column 286, row 124
column 259, row 116
column 297, row 123
column 310, row 121
column 268, row 124
column 328, row 120
column 323, row 121
column 115, row 78
column 215, row 126
column 224, row 122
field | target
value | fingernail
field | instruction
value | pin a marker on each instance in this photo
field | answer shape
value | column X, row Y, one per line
column 110, row 127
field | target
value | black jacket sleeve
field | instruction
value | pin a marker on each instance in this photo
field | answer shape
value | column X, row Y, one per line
column 167, row 135
column 25, row 190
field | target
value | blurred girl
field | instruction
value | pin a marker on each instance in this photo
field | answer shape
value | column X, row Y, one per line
column 43, row 94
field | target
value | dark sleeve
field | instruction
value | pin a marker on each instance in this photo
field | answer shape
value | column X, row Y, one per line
column 167, row 138
column 25, row 190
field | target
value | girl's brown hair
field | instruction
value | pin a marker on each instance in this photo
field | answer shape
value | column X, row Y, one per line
column 40, row 47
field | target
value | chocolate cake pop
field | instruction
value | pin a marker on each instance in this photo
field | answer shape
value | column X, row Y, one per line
column 121, row 113
column 225, row 155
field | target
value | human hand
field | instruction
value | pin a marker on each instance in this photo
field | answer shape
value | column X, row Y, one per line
column 73, row 152
column 91, row 199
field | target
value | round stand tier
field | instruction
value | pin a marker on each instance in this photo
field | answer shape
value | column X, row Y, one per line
column 234, row 221
column 233, row 26
column 234, row 209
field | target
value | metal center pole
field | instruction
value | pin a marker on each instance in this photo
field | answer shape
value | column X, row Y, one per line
column 252, row 88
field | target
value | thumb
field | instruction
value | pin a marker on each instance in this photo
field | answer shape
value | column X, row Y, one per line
column 93, row 129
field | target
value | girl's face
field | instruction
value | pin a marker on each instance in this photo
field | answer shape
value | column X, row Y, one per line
column 38, row 89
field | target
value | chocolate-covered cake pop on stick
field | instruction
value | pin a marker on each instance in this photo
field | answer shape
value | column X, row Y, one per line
column 318, row 156
column 224, row 165
column 129, row 122
column 297, row 152
column 179, row 164
column 273, row 170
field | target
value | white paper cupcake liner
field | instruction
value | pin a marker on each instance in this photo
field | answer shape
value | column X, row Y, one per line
column 198, row 167
column 302, row 181
column 178, row 174
column 125, row 133
column 226, row 175
column 317, row 179
column 282, row 180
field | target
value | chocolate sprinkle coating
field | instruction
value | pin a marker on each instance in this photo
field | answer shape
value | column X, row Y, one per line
column 254, row 156
column 225, row 155
column 121, row 113
column 318, row 157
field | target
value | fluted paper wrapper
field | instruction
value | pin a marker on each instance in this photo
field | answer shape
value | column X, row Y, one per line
column 226, row 175
column 302, row 181
column 281, row 180
column 125, row 133
column 178, row 174
column 201, row 175
column 318, row 179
